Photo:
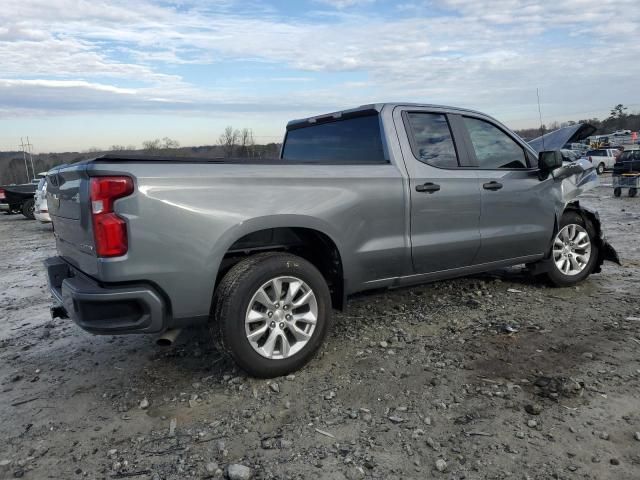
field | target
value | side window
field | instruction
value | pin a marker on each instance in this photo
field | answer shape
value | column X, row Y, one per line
column 432, row 142
column 494, row 148
column 347, row 141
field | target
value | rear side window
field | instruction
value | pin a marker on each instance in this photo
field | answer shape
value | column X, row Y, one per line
column 494, row 149
column 350, row 141
column 432, row 142
column 596, row 153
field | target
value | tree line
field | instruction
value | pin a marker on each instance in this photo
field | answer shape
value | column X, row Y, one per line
column 232, row 142
column 618, row 119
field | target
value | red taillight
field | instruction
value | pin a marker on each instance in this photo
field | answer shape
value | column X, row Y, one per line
column 109, row 230
column 2, row 195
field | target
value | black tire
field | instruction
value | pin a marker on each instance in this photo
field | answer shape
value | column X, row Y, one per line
column 600, row 168
column 28, row 209
column 633, row 192
column 231, row 302
column 557, row 277
column 617, row 192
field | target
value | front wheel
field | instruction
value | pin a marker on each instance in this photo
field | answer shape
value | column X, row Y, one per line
column 271, row 312
column 633, row 192
column 617, row 192
column 574, row 251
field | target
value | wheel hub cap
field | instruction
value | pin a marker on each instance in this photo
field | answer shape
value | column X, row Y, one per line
column 281, row 317
column 572, row 249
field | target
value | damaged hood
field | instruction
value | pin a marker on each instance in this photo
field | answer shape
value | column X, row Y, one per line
column 559, row 138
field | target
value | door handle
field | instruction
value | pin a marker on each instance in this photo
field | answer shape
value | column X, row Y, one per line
column 493, row 185
column 428, row 187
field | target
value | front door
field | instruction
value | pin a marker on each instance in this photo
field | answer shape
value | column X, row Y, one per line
column 517, row 208
column 444, row 196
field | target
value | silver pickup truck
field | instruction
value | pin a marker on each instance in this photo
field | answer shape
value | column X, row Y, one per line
column 379, row 196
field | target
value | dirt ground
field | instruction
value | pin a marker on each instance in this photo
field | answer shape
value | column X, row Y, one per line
column 490, row 377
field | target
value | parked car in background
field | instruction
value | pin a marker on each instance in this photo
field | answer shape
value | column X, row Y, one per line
column 570, row 155
column 580, row 148
column 41, row 212
column 603, row 158
column 261, row 251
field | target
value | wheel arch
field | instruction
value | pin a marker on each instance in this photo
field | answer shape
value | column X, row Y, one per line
column 605, row 250
column 307, row 237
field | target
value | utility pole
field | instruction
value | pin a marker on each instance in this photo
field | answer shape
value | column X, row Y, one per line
column 31, row 157
column 26, row 149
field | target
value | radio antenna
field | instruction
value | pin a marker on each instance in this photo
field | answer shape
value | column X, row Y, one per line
column 540, row 116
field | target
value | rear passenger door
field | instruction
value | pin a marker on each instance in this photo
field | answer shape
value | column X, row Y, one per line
column 444, row 194
column 517, row 208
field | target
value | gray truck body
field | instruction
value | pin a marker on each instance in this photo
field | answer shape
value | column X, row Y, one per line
column 185, row 219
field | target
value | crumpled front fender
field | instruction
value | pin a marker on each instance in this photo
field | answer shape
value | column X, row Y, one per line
column 605, row 249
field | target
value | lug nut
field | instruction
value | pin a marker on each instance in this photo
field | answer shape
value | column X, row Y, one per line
column 270, row 314
column 288, row 317
column 277, row 305
column 281, row 325
column 272, row 324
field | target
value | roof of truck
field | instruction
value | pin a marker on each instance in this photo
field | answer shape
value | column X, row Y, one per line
column 368, row 109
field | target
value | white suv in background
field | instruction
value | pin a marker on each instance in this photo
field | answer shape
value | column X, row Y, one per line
column 41, row 211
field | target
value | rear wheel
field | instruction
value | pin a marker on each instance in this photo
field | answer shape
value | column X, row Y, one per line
column 28, row 209
column 600, row 168
column 574, row 251
column 633, row 192
column 271, row 312
column 617, row 192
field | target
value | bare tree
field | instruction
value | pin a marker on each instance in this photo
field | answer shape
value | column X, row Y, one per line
column 246, row 142
column 170, row 143
column 229, row 140
column 117, row 148
column 151, row 145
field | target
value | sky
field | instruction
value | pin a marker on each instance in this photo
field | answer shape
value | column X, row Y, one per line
column 78, row 74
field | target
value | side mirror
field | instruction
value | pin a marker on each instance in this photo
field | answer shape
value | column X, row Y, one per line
column 549, row 160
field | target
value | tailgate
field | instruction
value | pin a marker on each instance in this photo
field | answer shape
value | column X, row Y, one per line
column 69, row 208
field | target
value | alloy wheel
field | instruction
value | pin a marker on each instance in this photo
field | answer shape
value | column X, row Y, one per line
column 281, row 317
column 572, row 249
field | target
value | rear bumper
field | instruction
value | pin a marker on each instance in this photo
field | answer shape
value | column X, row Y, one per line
column 4, row 207
column 104, row 309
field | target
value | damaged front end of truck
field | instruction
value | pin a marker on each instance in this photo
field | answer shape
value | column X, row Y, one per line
column 572, row 179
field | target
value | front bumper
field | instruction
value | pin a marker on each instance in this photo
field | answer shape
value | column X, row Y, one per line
column 104, row 309
column 43, row 217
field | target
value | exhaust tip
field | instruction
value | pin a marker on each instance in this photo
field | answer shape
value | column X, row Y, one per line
column 168, row 338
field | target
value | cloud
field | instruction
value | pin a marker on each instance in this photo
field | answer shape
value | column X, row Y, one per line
column 345, row 3
column 489, row 55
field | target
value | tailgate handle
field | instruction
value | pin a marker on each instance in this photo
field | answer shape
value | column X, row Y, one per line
column 493, row 185
column 428, row 187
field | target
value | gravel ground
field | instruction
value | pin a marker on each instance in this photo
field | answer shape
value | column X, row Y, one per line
column 493, row 376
